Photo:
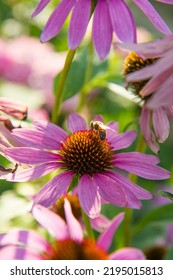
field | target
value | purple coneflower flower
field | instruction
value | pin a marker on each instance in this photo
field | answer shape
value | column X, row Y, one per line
column 153, row 83
column 109, row 16
column 87, row 156
column 69, row 242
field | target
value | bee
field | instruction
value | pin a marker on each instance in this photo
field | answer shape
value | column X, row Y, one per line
column 100, row 128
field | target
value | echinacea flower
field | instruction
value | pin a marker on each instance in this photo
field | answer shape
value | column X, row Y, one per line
column 83, row 155
column 68, row 244
column 149, row 73
column 109, row 16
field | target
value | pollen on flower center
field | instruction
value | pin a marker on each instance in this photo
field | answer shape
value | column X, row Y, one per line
column 133, row 62
column 69, row 249
column 84, row 152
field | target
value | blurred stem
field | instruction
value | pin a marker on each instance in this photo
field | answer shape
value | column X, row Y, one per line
column 63, row 77
column 141, row 147
column 88, row 225
column 82, row 98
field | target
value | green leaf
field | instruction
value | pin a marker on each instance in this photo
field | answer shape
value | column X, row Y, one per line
column 166, row 194
column 162, row 214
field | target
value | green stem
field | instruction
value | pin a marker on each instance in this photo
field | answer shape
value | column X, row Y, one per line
column 88, row 225
column 63, row 77
column 141, row 146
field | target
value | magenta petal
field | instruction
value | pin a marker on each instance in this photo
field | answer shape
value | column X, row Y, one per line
column 28, row 238
column 100, row 223
column 127, row 254
column 41, row 5
column 136, row 157
column 89, row 196
column 123, row 140
column 31, row 155
column 105, row 239
column 78, row 23
column 57, row 19
column 48, row 195
column 76, row 123
column 122, row 21
column 33, row 172
column 102, row 29
column 50, row 221
column 161, row 124
column 110, row 190
column 146, row 130
column 166, row 1
column 18, row 253
column 153, row 16
column 73, row 226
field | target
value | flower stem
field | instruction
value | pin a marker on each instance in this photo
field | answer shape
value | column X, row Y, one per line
column 63, row 77
column 141, row 146
column 88, row 225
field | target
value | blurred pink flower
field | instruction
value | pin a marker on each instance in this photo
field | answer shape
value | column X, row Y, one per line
column 69, row 242
column 157, row 90
column 87, row 156
column 106, row 19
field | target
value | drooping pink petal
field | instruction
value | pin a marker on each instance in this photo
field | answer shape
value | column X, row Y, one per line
column 31, row 155
column 76, row 123
column 132, row 200
column 27, row 238
column 166, row 1
column 89, row 196
column 123, row 140
column 163, row 96
column 73, row 226
column 143, row 169
column 57, row 19
column 142, row 74
column 139, row 192
column 122, row 21
column 48, row 195
column 153, row 16
column 109, row 190
column 169, row 110
column 41, row 5
column 102, row 29
column 105, row 239
column 161, row 124
column 18, row 253
column 78, row 23
column 127, row 254
column 100, row 223
column 146, row 130
column 33, row 172
column 52, row 222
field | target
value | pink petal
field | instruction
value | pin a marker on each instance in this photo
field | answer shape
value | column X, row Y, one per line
column 102, row 29
column 166, row 1
column 76, row 123
column 127, row 254
column 110, row 190
column 153, row 16
column 89, row 196
column 122, row 21
column 17, row 253
column 161, row 124
column 123, row 140
column 130, row 157
column 100, row 223
column 57, row 19
column 23, row 237
column 48, row 195
column 33, row 172
column 53, row 223
column 41, row 5
column 31, row 155
column 73, row 226
column 105, row 239
column 146, row 130
column 78, row 23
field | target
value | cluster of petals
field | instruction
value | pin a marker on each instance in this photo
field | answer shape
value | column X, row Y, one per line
column 28, row 245
column 109, row 16
column 40, row 154
column 157, row 92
